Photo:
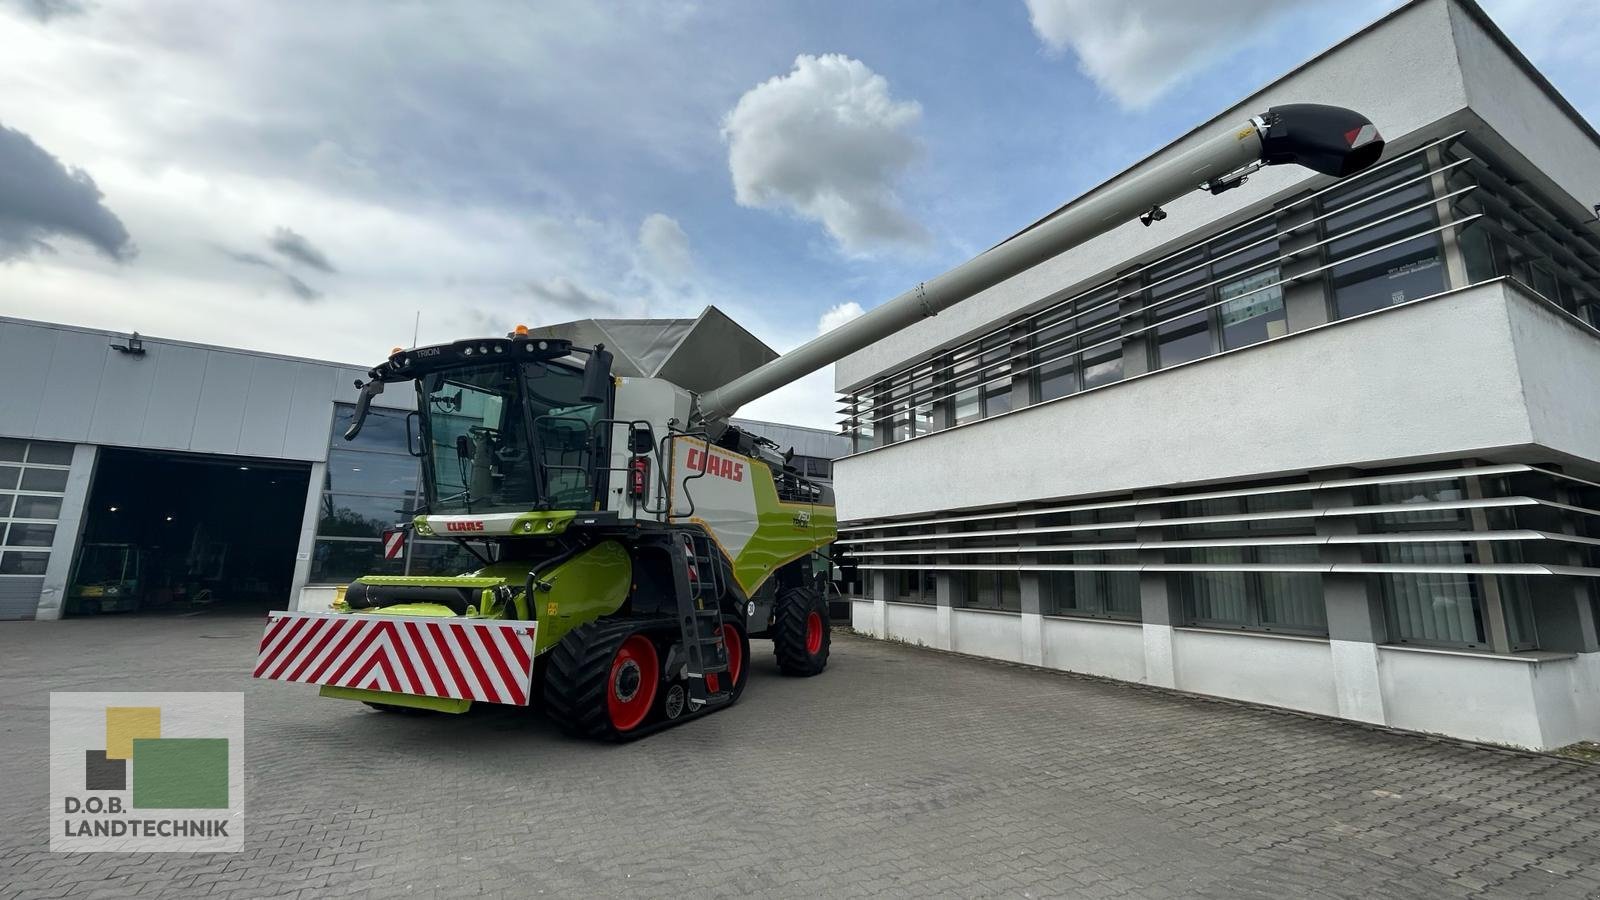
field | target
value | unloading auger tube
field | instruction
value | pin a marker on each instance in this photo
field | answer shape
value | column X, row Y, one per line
column 1327, row 139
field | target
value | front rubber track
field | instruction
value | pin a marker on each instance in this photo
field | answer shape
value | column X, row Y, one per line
column 578, row 677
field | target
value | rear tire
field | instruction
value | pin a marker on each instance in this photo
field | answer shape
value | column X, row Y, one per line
column 602, row 680
column 800, row 632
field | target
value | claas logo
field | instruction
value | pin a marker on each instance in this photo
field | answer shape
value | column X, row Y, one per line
column 719, row 466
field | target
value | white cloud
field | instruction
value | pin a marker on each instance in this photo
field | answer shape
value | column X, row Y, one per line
column 827, row 142
column 1136, row 49
column 839, row 314
column 248, row 181
column 664, row 248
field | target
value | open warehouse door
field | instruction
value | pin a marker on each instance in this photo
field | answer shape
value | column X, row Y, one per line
column 180, row 532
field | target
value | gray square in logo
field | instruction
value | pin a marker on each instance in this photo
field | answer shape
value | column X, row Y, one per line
column 101, row 774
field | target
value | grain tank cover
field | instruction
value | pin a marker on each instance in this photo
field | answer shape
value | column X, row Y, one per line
column 696, row 354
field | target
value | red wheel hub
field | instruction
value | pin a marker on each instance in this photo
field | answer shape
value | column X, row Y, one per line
column 730, row 639
column 813, row 633
column 735, row 651
column 635, row 674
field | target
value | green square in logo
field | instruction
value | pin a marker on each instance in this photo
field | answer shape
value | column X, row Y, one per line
column 180, row 773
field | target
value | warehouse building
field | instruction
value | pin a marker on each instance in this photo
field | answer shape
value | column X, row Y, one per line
column 1325, row 447
column 142, row 474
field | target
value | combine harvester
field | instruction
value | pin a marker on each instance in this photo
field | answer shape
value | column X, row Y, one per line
column 632, row 541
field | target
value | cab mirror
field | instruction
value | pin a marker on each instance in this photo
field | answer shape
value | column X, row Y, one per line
column 641, row 440
column 597, row 376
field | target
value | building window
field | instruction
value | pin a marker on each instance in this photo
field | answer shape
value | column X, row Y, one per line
column 1055, row 370
column 1244, row 592
column 371, row 486
column 1091, row 593
column 813, row 466
column 1221, row 296
column 1249, row 599
column 1177, row 301
column 993, row 590
column 913, row 585
column 980, row 381
column 1246, row 274
column 1447, row 609
column 1517, row 236
column 859, row 421
column 1368, row 225
column 33, row 481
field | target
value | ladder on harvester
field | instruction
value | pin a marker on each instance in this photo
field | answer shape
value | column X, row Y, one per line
column 698, row 573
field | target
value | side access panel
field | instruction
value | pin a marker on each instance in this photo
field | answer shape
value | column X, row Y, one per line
column 736, row 501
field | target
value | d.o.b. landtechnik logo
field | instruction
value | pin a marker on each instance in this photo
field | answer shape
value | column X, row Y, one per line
column 146, row 772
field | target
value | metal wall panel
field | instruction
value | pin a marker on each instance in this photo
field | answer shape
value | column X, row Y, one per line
column 805, row 441
column 180, row 372
column 23, row 358
column 220, row 414
column 266, row 407
column 124, row 398
column 19, row 597
column 310, row 412
column 65, row 383
column 70, row 385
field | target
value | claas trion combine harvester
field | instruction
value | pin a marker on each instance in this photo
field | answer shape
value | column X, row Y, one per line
column 632, row 542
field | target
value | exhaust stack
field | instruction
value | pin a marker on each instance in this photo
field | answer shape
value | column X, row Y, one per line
column 1330, row 140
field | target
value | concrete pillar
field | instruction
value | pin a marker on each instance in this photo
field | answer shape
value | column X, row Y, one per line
column 1563, row 608
column 1355, row 617
column 1494, row 610
column 879, row 588
column 878, row 625
column 1305, row 302
column 943, row 413
column 1455, row 263
column 308, row 533
column 949, row 592
column 1136, row 349
column 883, row 426
column 1159, row 609
column 69, row 528
column 1021, row 381
column 1031, row 627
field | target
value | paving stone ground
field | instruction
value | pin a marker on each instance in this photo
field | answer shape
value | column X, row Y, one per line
column 899, row 772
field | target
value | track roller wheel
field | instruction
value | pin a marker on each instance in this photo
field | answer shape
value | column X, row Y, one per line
column 602, row 680
column 800, row 633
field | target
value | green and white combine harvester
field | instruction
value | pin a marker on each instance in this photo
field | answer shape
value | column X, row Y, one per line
column 632, row 541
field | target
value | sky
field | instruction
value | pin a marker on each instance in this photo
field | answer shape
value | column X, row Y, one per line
column 320, row 179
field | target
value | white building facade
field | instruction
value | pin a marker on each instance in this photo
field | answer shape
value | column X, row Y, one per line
column 1325, row 447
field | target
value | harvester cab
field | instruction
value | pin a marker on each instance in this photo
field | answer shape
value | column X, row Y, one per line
column 631, row 540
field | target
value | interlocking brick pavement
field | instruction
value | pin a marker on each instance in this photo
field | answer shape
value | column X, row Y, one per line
column 899, row 772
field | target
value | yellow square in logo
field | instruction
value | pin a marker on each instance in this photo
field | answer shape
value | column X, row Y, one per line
column 125, row 724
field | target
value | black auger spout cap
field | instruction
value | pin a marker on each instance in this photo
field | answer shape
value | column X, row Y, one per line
column 1328, row 139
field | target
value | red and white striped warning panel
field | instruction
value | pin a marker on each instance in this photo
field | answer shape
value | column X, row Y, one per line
column 463, row 659
column 394, row 544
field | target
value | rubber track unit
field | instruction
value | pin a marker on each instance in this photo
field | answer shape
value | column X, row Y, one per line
column 793, row 608
column 579, row 674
